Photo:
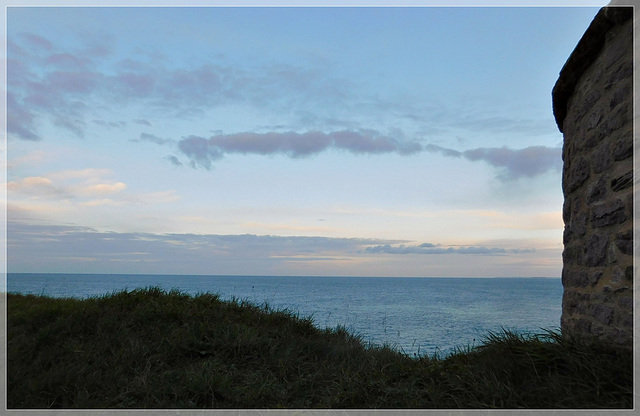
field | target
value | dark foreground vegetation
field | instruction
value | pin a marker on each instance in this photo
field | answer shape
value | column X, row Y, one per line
column 155, row 349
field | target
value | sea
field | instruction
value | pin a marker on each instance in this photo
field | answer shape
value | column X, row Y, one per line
column 417, row 316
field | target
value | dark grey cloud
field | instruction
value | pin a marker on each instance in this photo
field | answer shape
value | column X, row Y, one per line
column 74, row 125
column 204, row 151
column 110, row 124
column 429, row 248
column 52, row 81
column 174, row 161
column 36, row 41
column 20, row 120
column 66, row 61
column 142, row 122
column 515, row 163
column 46, row 83
column 529, row 162
column 146, row 137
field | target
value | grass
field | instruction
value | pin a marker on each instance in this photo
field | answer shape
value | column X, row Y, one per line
column 149, row 348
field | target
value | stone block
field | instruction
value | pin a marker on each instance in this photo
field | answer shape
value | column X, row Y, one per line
column 623, row 148
column 572, row 255
column 617, row 119
column 595, row 250
column 594, row 118
column 569, row 255
column 567, row 235
column 622, row 337
column 566, row 211
column 609, row 213
column 602, row 158
column 591, row 138
column 622, row 182
column 627, row 322
column 588, row 101
column 619, row 71
column 579, row 224
column 582, row 326
column 628, row 273
column 595, row 276
column 622, row 94
column 597, row 191
column 602, row 313
column 626, row 303
column 628, row 205
column 575, row 278
column 577, row 175
column 612, row 254
column 624, row 242
column 617, row 276
column 575, row 302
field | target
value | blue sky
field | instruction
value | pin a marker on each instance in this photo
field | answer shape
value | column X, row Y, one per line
column 372, row 141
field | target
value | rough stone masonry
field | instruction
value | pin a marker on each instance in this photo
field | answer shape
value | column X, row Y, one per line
column 593, row 107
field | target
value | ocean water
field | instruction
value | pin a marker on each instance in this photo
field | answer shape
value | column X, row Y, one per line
column 415, row 315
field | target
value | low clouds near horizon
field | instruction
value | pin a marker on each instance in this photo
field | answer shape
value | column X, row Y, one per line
column 429, row 248
column 77, row 247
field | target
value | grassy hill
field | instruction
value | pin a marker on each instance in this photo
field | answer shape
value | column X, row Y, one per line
column 149, row 348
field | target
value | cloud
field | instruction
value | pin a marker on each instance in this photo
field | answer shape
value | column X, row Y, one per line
column 86, row 187
column 37, row 41
column 62, row 248
column 37, row 186
column 529, row 162
column 66, row 61
column 204, row 151
column 111, row 124
column 72, row 82
column 174, row 251
column 146, row 137
column 63, row 86
column 142, row 122
column 428, row 248
column 51, row 81
column 40, row 186
column 515, row 163
column 20, row 120
column 104, row 188
column 174, row 161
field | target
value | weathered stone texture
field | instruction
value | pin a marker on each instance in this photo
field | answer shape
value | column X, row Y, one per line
column 593, row 105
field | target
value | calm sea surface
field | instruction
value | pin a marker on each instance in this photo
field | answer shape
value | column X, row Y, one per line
column 417, row 315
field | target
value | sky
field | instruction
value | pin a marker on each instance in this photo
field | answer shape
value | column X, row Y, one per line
column 325, row 141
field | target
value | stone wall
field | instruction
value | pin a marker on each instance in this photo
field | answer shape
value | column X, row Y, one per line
column 593, row 106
